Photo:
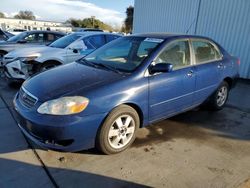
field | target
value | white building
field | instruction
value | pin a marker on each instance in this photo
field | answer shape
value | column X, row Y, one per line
column 10, row 24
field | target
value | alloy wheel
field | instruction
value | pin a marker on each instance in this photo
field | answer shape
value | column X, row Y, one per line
column 222, row 96
column 121, row 131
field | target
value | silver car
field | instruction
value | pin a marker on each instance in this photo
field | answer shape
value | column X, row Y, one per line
column 22, row 63
column 4, row 35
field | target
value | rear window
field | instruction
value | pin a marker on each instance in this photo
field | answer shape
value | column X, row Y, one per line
column 111, row 37
column 65, row 41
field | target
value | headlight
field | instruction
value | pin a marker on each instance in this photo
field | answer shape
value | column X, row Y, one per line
column 64, row 106
column 27, row 59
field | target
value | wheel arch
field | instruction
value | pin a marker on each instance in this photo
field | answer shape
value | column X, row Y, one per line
column 53, row 61
column 3, row 52
column 132, row 105
column 138, row 110
column 229, row 81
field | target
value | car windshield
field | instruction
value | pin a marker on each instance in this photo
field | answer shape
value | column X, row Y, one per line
column 17, row 37
column 124, row 54
column 65, row 41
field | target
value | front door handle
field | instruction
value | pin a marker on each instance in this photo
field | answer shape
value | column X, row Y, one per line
column 190, row 73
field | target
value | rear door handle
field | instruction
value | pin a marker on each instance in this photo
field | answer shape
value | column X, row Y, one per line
column 190, row 73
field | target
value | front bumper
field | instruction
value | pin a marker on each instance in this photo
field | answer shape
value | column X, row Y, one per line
column 61, row 133
column 1, row 66
column 16, row 70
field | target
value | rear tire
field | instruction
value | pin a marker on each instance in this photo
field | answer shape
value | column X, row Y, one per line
column 118, row 131
column 2, row 53
column 219, row 98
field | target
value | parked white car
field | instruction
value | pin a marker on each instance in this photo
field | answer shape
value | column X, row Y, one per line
column 22, row 63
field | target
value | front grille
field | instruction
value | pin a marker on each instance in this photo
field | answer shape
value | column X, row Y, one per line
column 27, row 99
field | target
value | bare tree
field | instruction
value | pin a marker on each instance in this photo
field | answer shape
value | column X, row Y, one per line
column 2, row 15
column 26, row 14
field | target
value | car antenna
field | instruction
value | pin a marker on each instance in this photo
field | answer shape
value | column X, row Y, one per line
column 190, row 25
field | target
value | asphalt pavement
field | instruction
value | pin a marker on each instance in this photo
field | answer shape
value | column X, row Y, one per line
column 198, row 148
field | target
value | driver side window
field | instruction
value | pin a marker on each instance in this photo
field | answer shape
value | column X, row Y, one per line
column 176, row 53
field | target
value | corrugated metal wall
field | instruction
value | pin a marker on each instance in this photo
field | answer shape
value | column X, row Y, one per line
column 162, row 15
column 226, row 21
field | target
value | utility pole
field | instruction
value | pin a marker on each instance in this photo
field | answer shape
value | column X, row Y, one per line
column 93, row 21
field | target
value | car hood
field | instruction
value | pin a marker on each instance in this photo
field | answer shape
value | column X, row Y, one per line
column 33, row 51
column 6, row 43
column 71, row 79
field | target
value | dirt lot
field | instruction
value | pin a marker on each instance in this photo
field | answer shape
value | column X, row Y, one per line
column 195, row 149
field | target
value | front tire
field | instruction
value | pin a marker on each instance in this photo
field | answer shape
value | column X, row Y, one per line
column 118, row 131
column 46, row 66
column 218, row 100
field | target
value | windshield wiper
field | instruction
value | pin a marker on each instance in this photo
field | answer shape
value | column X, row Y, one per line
column 108, row 67
column 87, row 62
column 96, row 65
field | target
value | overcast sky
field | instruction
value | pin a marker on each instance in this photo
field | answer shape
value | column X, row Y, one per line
column 108, row 11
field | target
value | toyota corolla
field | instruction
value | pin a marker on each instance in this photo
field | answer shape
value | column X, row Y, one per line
column 104, row 98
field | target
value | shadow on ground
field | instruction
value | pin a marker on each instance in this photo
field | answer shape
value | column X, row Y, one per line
column 15, row 173
column 199, row 125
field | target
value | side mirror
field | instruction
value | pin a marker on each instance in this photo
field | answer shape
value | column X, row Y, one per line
column 77, row 48
column 21, row 41
column 160, row 67
column 75, row 51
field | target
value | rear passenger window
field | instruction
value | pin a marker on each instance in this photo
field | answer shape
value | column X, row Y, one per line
column 205, row 51
column 111, row 37
column 177, row 53
column 50, row 37
column 40, row 37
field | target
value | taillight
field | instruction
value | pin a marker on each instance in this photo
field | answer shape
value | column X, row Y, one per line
column 238, row 61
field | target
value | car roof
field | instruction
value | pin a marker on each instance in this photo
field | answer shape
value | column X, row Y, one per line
column 164, row 35
column 45, row 31
column 90, row 33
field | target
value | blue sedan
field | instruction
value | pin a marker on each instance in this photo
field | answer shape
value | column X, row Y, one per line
column 103, row 99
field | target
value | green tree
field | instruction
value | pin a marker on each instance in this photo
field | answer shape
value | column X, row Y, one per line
column 26, row 14
column 74, row 22
column 2, row 15
column 123, row 29
column 129, row 19
column 89, row 23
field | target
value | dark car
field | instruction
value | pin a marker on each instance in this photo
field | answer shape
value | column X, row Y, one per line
column 4, row 35
column 79, row 29
column 28, row 39
column 103, row 99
